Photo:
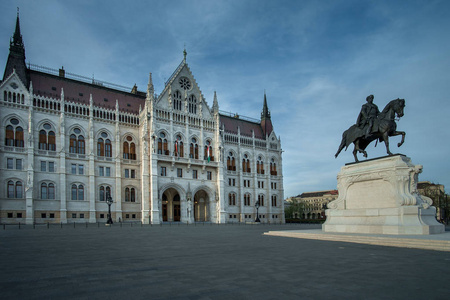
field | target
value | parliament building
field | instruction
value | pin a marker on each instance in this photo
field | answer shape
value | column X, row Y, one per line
column 70, row 142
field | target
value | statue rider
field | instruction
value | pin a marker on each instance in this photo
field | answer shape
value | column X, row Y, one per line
column 368, row 114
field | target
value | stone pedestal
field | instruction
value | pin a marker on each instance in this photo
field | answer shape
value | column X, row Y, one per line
column 380, row 196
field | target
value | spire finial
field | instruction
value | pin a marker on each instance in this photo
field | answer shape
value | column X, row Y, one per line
column 184, row 52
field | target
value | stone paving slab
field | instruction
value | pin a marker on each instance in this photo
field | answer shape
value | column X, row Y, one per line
column 209, row 262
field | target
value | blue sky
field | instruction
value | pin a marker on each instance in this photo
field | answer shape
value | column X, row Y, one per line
column 316, row 60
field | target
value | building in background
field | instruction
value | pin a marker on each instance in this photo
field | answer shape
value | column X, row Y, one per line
column 69, row 142
column 310, row 205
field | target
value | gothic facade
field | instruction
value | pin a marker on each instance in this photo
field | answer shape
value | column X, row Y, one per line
column 70, row 142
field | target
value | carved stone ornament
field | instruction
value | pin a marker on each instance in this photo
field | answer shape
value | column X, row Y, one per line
column 380, row 196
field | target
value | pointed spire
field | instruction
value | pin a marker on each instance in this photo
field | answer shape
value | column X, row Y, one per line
column 265, row 114
column 150, row 88
column 16, row 57
column 266, row 122
column 215, row 103
column 17, row 37
column 184, row 53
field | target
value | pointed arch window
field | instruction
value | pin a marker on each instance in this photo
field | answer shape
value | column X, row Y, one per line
column 130, row 194
column 247, row 200
column 77, row 192
column 209, row 154
column 100, row 147
column 178, row 147
column 193, row 149
column 129, row 148
column 15, row 189
column 44, row 191
column 231, row 199
column 260, row 165
column 108, row 148
column 77, row 142
column 261, row 200
column 104, row 192
column 274, row 200
column 162, row 144
column 231, row 162
column 273, row 167
column 246, row 164
column 192, row 104
column 47, row 138
column 14, row 136
column 177, row 100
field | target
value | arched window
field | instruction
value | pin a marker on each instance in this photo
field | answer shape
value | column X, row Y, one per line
column 77, row 143
column 77, row 192
column 104, row 192
column 261, row 200
column 193, row 149
column 11, row 189
column 133, row 151
column 51, row 191
column 47, row 138
column 130, row 194
column 129, row 148
column 192, row 104
column 44, row 191
column 231, row 199
column 74, row 192
column 273, row 167
column 177, row 100
column 178, row 148
column 231, row 163
column 247, row 199
column 100, row 147
column 246, row 164
column 162, row 144
column 9, row 136
column 274, row 200
column 260, row 165
column 133, row 195
column 14, row 134
column 108, row 148
column 126, row 150
column 127, row 194
column 208, row 152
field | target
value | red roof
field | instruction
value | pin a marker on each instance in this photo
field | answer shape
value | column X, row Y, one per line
column 79, row 92
column 246, row 127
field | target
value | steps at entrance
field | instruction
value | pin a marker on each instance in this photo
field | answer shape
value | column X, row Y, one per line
column 439, row 242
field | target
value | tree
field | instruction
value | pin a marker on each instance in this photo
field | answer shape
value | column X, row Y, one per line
column 294, row 209
column 440, row 199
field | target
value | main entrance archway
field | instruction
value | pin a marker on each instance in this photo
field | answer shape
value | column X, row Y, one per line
column 201, row 206
column 171, row 206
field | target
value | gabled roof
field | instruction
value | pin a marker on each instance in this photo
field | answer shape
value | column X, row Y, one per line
column 246, row 127
column 79, row 92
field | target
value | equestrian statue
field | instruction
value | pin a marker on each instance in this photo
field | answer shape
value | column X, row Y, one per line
column 373, row 125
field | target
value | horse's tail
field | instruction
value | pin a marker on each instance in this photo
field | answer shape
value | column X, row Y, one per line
column 343, row 143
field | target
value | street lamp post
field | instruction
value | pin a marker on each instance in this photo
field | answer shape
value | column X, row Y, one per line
column 257, row 208
column 109, row 201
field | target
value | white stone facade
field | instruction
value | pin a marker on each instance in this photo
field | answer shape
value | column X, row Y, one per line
column 67, row 177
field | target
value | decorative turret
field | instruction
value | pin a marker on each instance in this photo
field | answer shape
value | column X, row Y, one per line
column 16, row 57
column 266, row 122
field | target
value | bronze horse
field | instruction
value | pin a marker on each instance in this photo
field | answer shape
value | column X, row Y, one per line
column 384, row 127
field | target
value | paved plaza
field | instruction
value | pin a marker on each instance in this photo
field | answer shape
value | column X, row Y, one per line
column 209, row 262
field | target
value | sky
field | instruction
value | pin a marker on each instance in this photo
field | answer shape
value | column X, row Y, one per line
column 317, row 61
